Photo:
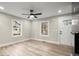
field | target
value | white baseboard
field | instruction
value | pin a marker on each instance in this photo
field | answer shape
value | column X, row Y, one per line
column 11, row 43
column 45, row 40
column 54, row 42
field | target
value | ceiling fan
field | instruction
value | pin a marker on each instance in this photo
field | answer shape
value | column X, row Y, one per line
column 32, row 14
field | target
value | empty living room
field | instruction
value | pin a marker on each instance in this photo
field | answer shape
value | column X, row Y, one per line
column 39, row 28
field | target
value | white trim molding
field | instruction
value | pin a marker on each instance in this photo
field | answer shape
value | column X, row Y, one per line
column 11, row 43
column 47, row 28
column 13, row 21
column 50, row 41
column 45, row 40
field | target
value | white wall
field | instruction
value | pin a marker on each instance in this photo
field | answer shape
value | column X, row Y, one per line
column 6, row 29
column 30, row 29
column 66, row 37
column 53, row 30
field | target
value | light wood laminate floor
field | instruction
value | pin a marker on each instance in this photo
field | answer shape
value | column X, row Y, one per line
column 35, row 48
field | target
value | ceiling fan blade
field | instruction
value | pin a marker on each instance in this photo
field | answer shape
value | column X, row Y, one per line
column 35, row 16
column 28, row 17
column 38, row 14
column 25, row 14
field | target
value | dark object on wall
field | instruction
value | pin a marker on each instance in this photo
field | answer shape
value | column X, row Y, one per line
column 76, row 43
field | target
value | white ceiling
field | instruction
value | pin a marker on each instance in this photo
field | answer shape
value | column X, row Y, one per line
column 46, row 8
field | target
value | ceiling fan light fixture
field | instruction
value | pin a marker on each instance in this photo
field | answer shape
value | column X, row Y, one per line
column 31, row 17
